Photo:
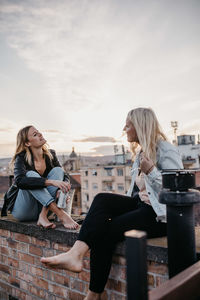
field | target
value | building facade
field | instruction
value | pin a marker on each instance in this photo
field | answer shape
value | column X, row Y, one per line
column 190, row 151
column 107, row 178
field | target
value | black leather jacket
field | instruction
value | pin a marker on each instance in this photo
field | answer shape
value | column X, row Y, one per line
column 21, row 167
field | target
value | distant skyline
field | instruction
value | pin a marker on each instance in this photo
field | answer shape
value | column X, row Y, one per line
column 75, row 68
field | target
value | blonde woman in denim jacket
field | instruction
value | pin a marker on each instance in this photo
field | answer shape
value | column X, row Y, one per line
column 110, row 215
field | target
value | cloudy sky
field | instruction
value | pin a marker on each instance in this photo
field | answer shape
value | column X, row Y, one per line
column 75, row 68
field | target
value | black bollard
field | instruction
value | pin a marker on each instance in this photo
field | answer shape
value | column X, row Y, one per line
column 136, row 265
column 180, row 218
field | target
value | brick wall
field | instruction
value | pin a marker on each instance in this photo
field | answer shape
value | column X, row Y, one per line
column 22, row 276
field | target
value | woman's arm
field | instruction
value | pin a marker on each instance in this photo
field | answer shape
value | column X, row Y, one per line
column 21, row 180
column 170, row 159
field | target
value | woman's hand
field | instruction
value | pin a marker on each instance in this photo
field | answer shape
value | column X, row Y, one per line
column 62, row 185
column 146, row 164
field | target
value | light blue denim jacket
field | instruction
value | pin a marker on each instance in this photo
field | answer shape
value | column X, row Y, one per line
column 168, row 157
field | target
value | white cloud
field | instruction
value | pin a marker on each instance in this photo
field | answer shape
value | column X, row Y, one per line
column 99, row 59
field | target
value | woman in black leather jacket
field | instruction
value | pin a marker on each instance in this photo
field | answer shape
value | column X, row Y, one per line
column 38, row 178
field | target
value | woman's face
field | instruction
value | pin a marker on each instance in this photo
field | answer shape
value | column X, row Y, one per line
column 35, row 138
column 130, row 131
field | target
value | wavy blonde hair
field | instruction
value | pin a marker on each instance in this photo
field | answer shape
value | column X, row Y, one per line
column 148, row 131
column 22, row 139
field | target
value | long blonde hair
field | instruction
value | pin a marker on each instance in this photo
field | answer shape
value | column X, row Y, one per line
column 22, row 139
column 148, row 131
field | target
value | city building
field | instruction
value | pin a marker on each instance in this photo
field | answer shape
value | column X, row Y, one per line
column 190, row 151
column 113, row 178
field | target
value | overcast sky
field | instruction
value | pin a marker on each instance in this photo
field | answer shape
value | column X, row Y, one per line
column 75, row 68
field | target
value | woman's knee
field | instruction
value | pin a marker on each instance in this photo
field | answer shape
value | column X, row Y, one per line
column 32, row 174
column 57, row 171
column 99, row 198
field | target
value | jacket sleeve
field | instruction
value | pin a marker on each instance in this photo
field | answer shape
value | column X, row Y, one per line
column 23, row 182
column 56, row 163
column 170, row 160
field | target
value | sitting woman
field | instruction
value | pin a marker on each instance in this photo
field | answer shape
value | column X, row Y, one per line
column 38, row 178
column 110, row 215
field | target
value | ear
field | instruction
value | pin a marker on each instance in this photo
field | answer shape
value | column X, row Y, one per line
column 27, row 144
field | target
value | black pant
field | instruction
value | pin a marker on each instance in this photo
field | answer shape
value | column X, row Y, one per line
column 109, row 216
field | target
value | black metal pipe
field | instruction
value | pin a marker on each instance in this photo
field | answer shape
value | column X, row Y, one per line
column 180, row 220
column 136, row 265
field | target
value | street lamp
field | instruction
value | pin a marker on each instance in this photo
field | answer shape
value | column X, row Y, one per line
column 174, row 124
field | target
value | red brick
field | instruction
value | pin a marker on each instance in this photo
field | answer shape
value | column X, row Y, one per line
column 69, row 273
column 48, row 252
column 4, row 276
column 36, row 271
column 87, row 255
column 66, row 281
column 22, row 237
column 4, row 250
column 104, row 295
column 22, row 247
column 4, row 242
column 4, row 259
column 35, row 250
column 24, row 285
column 4, row 269
column 4, row 232
column 86, row 264
column 27, row 258
column 11, row 243
column 13, row 253
column 160, row 280
column 14, row 281
column 38, row 282
column 23, row 267
column 5, row 287
column 24, row 276
column 123, row 273
column 41, row 243
column 115, row 296
column 115, row 271
column 75, row 296
column 60, row 247
column 119, row 260
column 151, row 280
column 58, row 290
column 77, row 285
column 58, row 278
column 157, row 268
column 21, row 295
column 116, row 285
column 13, row 262
column 37, row 292
column 84, row 275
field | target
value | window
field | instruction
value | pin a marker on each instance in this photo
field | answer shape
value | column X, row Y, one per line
column 86, row 184
column 120, row 187
column 107, row 186
column 95, row 186
column 86, row 173
column 120, row 172
column 94, row 173
column 86, row 197
column 107, row 172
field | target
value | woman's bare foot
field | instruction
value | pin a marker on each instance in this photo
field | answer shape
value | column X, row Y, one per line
column 71, row 260
column 44, row 222
column 67, row 221
column 92, row 296
column 68, row 261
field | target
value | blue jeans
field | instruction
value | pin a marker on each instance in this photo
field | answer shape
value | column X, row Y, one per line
column 29, row 203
